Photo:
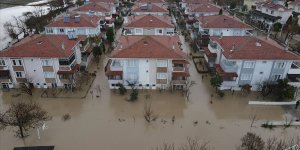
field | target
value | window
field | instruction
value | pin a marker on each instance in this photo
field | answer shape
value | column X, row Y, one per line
column 170, row 33
column 49, row 75
column 46, row 62
column 246, row 76
column 49, row 30
column 275, row 77
column 267, row 10
column 132, row 77
column 131, row 63
column 161, row 76
column 2, row 62
column 279, row 65
column 66, row 62
column 17, row 62
column 162, row 63
column 159, row 31
column 62, row 30
column 272, row 11
column 20, row 74
column 139, row 31
column 249, row 64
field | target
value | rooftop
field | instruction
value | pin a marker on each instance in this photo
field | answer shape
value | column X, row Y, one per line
column 271, row 5
column 254, row 48
column 148, row 47
column 149, row 7
column 40, row 45
column 203, row 7
column 195, row 1
column 103, row 1
column 221, row 21
column 85, row 21
column 149, row 21
column 150, row 1
column 96, row 7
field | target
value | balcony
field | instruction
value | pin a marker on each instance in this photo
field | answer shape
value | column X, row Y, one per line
column 228, row 66
column 295, row 68
column 180, row 65
column 212, row 48
column 5, row 76
column 113, row 69
column 179, row 82
column 116, row 66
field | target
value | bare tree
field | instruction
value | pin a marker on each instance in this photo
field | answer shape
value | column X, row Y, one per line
column 251, row 141
column 253, row 119
column 191, row 144
column 148, row 113
column 166, row 146
column 24, row 116
column 187, row 89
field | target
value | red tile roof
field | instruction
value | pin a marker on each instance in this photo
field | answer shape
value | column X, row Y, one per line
column 148, row 47
column 104, row 1
column 204, row 7
column 85, row 21
column 96, row 7
column 43, row 46
column 247, row 47
column 222, row 73
column 221, row 21
column 195, row 1
column 151, row 1
column 208, row 53
column 155, row 8
column 273, row 6
column 149, row 21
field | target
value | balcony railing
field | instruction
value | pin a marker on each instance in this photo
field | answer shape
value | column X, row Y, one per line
column 228, row 66
column 295, row 69
column 212, row 48
column 179, row 82
column 178, row 69
column 116, row 66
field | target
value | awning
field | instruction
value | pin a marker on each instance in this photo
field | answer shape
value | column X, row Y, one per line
column 208, row 53
column 222, row 73
column 180, row 62
column 72, row 71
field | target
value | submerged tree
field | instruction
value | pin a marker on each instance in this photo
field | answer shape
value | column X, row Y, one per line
column 251, row 141
column 110, row 35
column 24, row 116
column 285, row 90
column 276, row 28
column 216, row 81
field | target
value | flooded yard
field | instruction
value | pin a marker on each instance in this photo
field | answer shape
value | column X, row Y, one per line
column 110, row 122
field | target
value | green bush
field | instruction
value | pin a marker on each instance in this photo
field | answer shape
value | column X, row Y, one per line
column 134, row 95
column 221, row 93
column 122, row 89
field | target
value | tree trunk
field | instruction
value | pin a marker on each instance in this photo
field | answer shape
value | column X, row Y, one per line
column 21, row 132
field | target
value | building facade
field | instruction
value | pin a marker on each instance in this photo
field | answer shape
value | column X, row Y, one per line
column 203, row 9
column 42, row 61
column 148, row 62
column 150, row 8
column 248, row 61
column 148, row 25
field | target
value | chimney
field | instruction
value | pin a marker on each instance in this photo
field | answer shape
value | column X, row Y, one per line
column 145, row 43
column 221, row 36
column 63, row 45
column 77, row 18
column 258, row 43
column 67, row 18
column 173, row 46
column 149, row 6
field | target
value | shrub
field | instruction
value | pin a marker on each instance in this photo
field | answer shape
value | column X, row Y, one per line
column 221, row 93
column 134, row 95
column 122, row 89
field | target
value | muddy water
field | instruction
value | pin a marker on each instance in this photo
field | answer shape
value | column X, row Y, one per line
column 111, row 123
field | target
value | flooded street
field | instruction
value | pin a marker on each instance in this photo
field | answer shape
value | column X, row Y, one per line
column 111, row 122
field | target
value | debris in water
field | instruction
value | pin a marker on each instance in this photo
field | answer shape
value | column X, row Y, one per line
column 173, row 119
column 207, row 122
column 221, row 128
column 66, row 117
column 121, row 120
column 195, row 122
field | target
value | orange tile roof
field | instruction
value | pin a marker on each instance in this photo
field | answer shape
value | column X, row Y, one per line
column 96, row 7
column 149, row 21
column 195, row 1
column 151, row 1
column 204, row 7
column 273, row 6
column 43, row 46
column 221, row 21
column 148, row 47
column 85, row 21
column 155, row 8
column 245, row 47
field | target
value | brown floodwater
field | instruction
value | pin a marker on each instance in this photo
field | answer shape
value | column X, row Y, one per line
column 112, row 123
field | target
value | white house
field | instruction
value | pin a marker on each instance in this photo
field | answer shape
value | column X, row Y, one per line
column 76, row 25
column 203, row 9
column 148, row 25
column 222, row 25
column 150, row 8
column 269, row 13
column 249, row 61
column 41, row 61
column 184, row 3
column 114, row 2
column 148, row 62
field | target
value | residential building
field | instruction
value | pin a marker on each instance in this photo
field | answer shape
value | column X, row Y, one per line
column 42, row 61
column 148, row 62
column 114, row 2
column 203, row 9
column 184, row 3
column 223, row 25
column 295, row 5
column 89, row 25
column 148, row 25
column 151, row 1
column 268, row 13
column 98, row 9
column 150, row 8
column 249, row 61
